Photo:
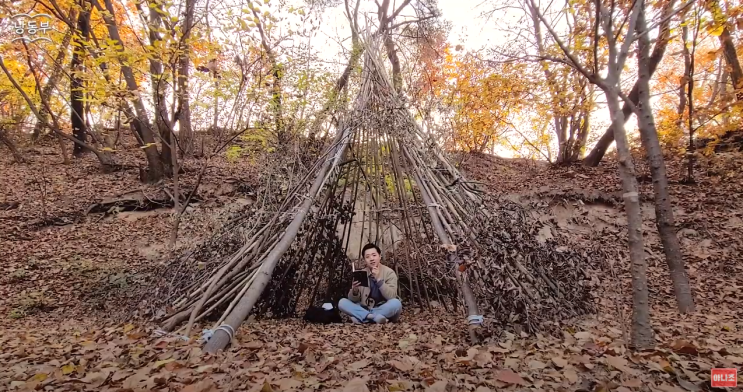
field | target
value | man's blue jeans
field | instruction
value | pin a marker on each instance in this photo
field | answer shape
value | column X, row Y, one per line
column 390, row 309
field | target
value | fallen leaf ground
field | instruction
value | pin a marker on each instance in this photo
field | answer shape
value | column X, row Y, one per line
column 65, row 287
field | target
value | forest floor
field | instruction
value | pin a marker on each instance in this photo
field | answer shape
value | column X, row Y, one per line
column 67, row 277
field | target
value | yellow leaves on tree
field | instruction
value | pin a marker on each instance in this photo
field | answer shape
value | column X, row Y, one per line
column 481, row 97
column 714, row 111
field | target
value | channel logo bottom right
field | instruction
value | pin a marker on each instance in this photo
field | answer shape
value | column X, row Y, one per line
column 724, row 377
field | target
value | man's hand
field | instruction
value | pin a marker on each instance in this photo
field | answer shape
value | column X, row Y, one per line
column 375, row 272
column 355, row 286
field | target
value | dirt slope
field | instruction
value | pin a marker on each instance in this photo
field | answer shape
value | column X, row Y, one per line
column 60, row 256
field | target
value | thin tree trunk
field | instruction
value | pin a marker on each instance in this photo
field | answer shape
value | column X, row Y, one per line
column 356, row 50
column 690, row 103
column 141, row 122
column 664, row 218
column 45, row 102
column 158, row 86
column 642, row 331
column 185, row 130
column 77, row 93
column 685, row 98
column 560, row 121
column 587, row 102
column 687, row 68
column 723, row 94
column 57, row 73
column 728, row 48
column 599, row 150
column 5, row 139
column 385, row 21
column 389, row 44
column 103, row 157
column 124, row 105
column 716, row 86
column 275, row 103
column 215, row 116
column 583, row 127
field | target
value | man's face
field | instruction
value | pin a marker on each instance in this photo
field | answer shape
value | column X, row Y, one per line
column 371, row 256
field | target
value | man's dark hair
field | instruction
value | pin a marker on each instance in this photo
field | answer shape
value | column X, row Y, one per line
column 370, row 246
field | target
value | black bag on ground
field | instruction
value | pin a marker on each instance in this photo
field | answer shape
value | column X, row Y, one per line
column 318, row 315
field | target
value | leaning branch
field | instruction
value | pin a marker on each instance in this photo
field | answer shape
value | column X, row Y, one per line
column 624, row 51
column 665, row 19
column 407, row 22
column 574, row 61
column 526, row 139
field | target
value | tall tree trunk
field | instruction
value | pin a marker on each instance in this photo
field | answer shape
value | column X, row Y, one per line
column 33, row 71
column 561, row 125
column 716, row 87
column 690, row 99
column 124, row 105
column 728, row 48
column 389, row 45
column 141, row 122
column 686, row 88
column 277, row 71
column 385, row 22
column 724, row 93
column 642, row 331
column 356, row 50
column 215, row 116
column 560, row 120
column 663, row 209
column 77, row 93
column 185, row 130
column 583, row 123
column 599, row 150
column 687, row 72
column 582, row 126
column 51, row 83
column 159, row 85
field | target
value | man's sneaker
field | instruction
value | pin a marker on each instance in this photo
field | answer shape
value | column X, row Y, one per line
column 355, row 320
column 379, row 319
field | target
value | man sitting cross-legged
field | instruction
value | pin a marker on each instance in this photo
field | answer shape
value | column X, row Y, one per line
column 378, row 302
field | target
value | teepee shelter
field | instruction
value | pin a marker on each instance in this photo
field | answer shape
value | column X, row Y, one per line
column 382, row 180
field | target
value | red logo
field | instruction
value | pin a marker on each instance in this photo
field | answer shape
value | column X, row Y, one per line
column 724, row 378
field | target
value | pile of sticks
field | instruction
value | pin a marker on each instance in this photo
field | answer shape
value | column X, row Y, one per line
column 383, row 173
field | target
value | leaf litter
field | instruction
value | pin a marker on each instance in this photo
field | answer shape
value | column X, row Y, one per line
column 68, row 347
column 85, row 356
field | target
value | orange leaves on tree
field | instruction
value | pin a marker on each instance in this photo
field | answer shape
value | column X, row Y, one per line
column 714, row 112
column 481, row 97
